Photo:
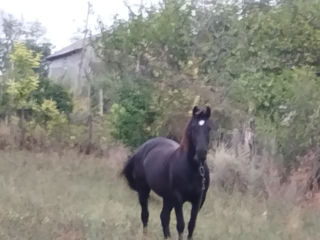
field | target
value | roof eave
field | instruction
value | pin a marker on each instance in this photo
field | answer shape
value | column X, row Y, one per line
column 65, row 54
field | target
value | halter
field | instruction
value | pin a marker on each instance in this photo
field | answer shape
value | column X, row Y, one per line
column 202, row 174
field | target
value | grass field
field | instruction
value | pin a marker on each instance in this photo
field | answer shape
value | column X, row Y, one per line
column 71, row 197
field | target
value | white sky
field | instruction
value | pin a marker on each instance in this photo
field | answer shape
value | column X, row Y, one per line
column 63, row 18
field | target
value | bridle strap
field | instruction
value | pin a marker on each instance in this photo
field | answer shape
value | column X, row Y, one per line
column 203, row 187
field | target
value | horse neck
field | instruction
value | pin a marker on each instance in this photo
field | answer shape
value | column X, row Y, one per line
column 188, row 147
column 191, row 153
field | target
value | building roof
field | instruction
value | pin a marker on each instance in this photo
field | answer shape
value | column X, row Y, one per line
column 73, row 48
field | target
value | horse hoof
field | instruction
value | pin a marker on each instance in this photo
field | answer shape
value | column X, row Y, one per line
column 145, row 231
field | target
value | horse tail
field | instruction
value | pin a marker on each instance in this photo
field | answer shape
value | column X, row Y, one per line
column 127, row 171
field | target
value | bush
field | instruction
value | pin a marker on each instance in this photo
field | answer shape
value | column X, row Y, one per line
column 284, row 107
column 131, row 116
column 232, row 173
column 48, row 116
column 55, row 92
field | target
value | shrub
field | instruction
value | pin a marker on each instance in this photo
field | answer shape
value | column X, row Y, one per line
column 47, row 117
column 284, row 107
column 55, row 92
column 232, row 173
column 130, row 117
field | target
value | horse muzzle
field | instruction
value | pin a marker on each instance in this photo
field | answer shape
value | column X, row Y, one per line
column 201, row 155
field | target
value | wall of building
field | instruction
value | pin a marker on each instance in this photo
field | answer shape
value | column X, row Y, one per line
column 65, row 70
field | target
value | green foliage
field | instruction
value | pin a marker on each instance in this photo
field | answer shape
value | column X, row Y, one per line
column 30, row 33
column 131, row 116
column 173, row 107
column 276, row 76
column 152, row 44
column 23, row 80
column 283, row 37
column 284, row 105
column 4, row 98
column 253, row 56
column 298, row 130
column 47, row 103
column 55, row 92
column 49, row 117
column 148, row 35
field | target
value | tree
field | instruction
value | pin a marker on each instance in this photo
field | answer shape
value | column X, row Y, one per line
column 248, row 56
column 29, row 33
column 22, row 82
column 13, row 30
column 23, row 79
column 280, row 53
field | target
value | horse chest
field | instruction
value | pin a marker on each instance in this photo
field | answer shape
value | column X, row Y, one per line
column 189, row 186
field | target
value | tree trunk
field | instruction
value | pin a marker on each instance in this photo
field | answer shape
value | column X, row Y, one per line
column 89, row 141
column 22, row 128
column 101, row 102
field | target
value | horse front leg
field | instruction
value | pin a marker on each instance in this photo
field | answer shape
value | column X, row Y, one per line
column 196, row 206
column 193, row 218
column 165, row 217
column 180, row 220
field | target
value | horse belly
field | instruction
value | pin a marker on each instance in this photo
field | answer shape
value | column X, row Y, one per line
column 156, row 173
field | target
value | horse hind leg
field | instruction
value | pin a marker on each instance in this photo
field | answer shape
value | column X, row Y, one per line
column 143, row 200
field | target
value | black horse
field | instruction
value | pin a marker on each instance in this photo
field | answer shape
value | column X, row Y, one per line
column 176, row 172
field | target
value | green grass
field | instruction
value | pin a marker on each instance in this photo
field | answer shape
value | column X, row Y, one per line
column 71, row 197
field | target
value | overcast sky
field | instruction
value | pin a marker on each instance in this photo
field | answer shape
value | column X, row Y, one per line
column 64, row 18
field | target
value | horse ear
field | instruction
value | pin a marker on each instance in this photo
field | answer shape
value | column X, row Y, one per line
column 195, row 111
column 208, row 112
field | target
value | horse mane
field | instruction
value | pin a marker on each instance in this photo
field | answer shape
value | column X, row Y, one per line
column 184, row 143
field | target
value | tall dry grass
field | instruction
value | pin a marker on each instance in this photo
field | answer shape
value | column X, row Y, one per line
column 255, row 175
column 71, row 136
column 70, row 196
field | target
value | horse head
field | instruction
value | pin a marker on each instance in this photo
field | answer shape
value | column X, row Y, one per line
column 199, row 133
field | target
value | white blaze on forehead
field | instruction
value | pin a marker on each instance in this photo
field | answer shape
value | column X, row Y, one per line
column 201, row 122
